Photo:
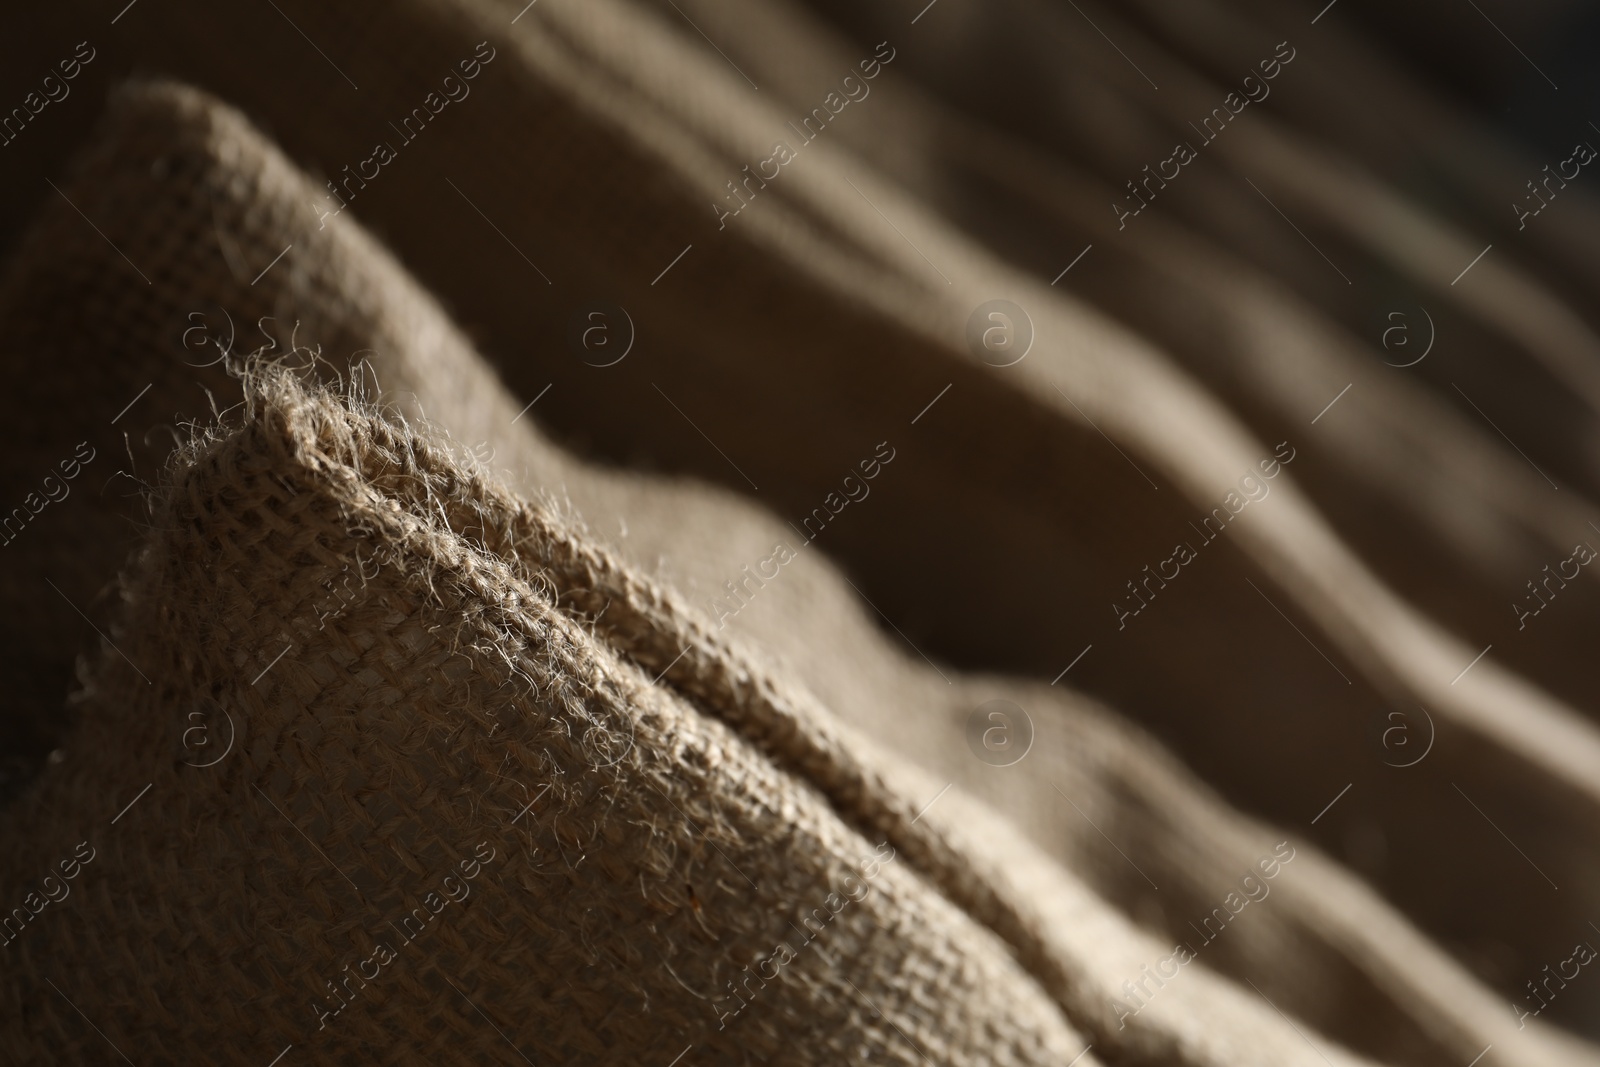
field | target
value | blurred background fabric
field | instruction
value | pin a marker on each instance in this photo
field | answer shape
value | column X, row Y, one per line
column 1277, row 529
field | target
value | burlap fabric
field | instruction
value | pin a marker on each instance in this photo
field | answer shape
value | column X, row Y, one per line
column 166, row 146
column 1405, row 1001
column 611, row 123
column 446, row 757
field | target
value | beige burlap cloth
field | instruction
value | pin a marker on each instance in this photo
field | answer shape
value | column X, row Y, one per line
column 342, row 648
column 804, row 328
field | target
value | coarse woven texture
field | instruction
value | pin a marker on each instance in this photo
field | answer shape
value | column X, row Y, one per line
column 583, row 858
column 806, row 331
column 592, row 152
column 190, row 162
column 147, row 138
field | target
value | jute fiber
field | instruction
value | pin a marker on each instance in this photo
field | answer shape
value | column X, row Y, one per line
column 633, row 854
column 599, row 139
column 802, row 335
column 170, row 147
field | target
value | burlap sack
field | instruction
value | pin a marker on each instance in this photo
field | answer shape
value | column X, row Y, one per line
column 443, row 754
column 623, row 127
column 1139, row 799
column 606, row 133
